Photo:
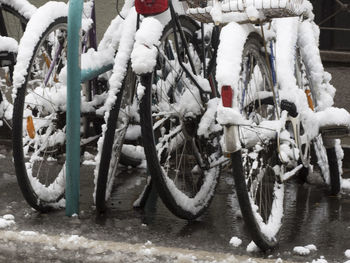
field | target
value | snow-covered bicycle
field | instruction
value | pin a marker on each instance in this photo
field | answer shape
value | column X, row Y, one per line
column 14, row 16
column 175, row 56
column 276, row 105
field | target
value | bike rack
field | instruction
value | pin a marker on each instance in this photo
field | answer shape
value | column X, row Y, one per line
column 73, row 108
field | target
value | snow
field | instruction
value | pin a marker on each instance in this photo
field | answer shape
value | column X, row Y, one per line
column 8, row 44
column 7, row 220
column 110, row 251
column 97, row 59
column 135, row 151
column 229, row 56
column 252, row 247
column 308, row 42
column 28, row 233
column 208, row 124
column 145, row 52
column 8, row 217
column 194, row 204
column 122, row 56
column 347, row 253
column 303, row 251
column 245, row 10
column 133, row 132
column 320, row 260
column 235, row 241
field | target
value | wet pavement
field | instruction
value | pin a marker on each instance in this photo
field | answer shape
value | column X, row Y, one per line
column 312, row 217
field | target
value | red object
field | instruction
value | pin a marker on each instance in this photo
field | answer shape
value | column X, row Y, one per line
column 226, row 95
column 151, row 7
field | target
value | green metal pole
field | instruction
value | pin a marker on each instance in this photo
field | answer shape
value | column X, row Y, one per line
column 73, row 108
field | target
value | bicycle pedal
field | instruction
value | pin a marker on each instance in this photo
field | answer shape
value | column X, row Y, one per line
column 335, row 131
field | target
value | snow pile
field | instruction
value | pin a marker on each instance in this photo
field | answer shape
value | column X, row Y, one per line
column 345, row 184
column 306, row 250
column 347, row 253
column 252, row 247
column 89, row 159
column 235, row 241
column 320, row 260
column 8, row 44
column 22, row 6
column 7, row 220
column 145, row 52
column 6, row 109
column 136, row 152
column 28, row 233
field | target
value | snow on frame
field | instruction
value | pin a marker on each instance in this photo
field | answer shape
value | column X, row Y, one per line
column 39, row 22
column 8, row 44
column 144, row 54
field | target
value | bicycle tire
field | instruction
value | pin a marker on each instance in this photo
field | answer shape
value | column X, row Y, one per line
column 112, row 143
column 259, row 189
column 187, row 197
column 43, row 139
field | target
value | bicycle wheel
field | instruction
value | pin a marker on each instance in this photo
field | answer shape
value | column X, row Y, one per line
column 324, row 160
column 180, row 161
column 256, row 167
column 112, row 141
column 39, row 121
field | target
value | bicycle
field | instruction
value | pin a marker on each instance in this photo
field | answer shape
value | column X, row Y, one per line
column 177, row 103
column 13, row 20
column 40, row 96
column 270, row 97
